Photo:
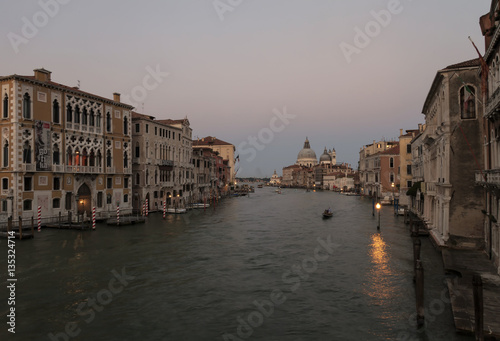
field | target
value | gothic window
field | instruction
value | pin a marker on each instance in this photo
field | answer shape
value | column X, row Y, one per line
column 391, row 162
column 467, row 102
column 91, row 118
column 27, row 152
column 5, row 106
column 69, row 157
column 85, row 116
column 26, row 106
column 69, row 113
column 108, row 158
column 56, row 160
column 55, row 111
column 137, row 179
column 125, row 126
column 108, row 122
column 98, row 119
column 77, row 114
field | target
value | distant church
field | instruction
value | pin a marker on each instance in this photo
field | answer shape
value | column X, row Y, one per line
column 307, row 157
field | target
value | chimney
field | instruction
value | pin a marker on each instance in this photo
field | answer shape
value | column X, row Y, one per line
column 420, row 127
column 116, row 97
column 42, row 75
column 400, row 132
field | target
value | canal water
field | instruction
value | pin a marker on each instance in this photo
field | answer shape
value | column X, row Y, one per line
column 263, row 267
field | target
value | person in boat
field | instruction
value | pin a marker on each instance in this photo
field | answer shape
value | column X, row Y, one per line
column 328, row 211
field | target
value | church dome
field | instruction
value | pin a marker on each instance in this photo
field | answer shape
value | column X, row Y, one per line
column 307, row 156
column 325, row 157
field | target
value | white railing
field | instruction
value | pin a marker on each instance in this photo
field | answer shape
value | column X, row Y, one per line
column 110, row 170
column 98, row 130
column 91, row 129
column 490, row 177
column 69, row 125
column 29, row 167
column 430, row 187
column 83, row 169
column 58, row 168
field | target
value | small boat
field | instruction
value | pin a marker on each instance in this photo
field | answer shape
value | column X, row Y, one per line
column 259, row 186
column 200, row 205
column 328, row 213
column 176, row 210
column 386, row 201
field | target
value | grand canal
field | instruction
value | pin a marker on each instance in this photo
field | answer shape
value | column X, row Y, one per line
column 266, row 267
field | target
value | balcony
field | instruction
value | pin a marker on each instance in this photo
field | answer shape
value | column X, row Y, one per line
column 28, row 167
column 492, row 102
column 83, row 169
column 58, row 168
column 489, row 178
column 110, row 170
column 167, row 163
column 430, row 188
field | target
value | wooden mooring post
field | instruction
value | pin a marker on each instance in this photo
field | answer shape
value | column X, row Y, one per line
column 33, row 226
column 417, row 244
column 69, row 218
column 477, row 287
column 9, row 225
column 419, row 293
column 20, row 227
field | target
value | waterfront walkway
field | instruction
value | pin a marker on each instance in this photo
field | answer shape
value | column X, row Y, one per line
column 464, row 264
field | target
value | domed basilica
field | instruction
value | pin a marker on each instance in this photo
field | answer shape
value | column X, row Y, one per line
column 307, row 157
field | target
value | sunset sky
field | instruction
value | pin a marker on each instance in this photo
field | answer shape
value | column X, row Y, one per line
column 232, row 65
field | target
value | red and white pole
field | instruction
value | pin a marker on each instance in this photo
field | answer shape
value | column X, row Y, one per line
column 118, row 215
column 147, row 207
column 39, row 218
column 144, row 209
column 93, row 218
column 164, row 208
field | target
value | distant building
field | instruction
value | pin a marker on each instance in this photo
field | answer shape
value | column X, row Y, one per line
column 225, row 150
column 406, row 167
column 275, row 179
column 369, row 167
column 307, row 156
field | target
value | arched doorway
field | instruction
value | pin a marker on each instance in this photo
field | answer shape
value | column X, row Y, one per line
column 84, row 201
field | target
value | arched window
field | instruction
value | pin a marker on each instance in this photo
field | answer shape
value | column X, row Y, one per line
column 108, row 122
column 5, row 106
column 77, row 114
column 84, row 116
column 69, row 157
column 108, row 158
column 92, row 158
column 27, row 152
column 125, row 160
column 98, row 119
column 125, row 125
column 6, row 154
column 69, row 113
column 56, row 160
column 26, row 106
column 55, row 111
column 391, row 162
column 467, row 102
column 92, row 118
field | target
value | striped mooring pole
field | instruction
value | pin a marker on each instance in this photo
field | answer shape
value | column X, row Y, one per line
column 144, row 209
column 118, row 215
column 164, row 208
column 93, row 218
column 39, row 218
column 147, row 207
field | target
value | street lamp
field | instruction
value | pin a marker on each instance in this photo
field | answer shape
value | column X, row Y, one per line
column 378, row 206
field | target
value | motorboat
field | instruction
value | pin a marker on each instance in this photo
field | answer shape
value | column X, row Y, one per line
column 200, row 205
column 176, row 210
column 327, row 213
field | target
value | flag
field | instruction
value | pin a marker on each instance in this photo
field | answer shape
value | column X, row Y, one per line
column 484, row 71
column 469, row 97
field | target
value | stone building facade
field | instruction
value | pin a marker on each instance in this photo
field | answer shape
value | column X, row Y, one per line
column 63, row 149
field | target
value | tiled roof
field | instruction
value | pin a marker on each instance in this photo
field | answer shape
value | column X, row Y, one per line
column 209, row 141
column 392, row 151
column 469, row 63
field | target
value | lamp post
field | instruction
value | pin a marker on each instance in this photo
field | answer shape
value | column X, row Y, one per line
column 378, row 206
column 393, row 197
column 77, row 199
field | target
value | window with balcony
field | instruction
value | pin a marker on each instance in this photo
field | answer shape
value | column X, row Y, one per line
column 77, row 114
column 468, row 102
column 5, row 111
column 26, row 106
column 98, row 119
column 55, row 112
column 69, row 114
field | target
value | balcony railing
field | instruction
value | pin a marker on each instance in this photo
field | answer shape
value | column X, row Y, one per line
column 58, row 168
column 84, row 169
column 167, row 163
column 430, row 187
column 110, row 170
column 492, row 102
column 29, row 167
column 491, row 177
